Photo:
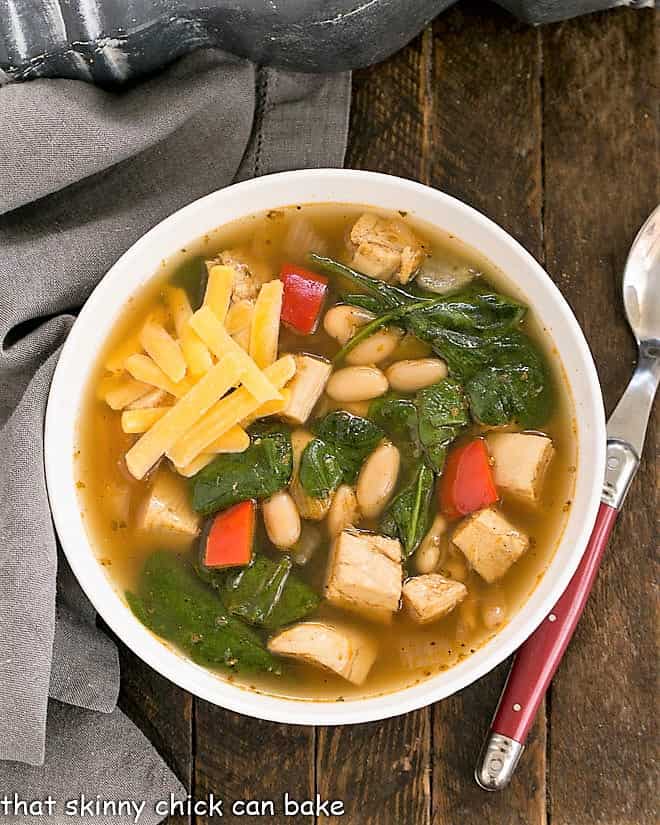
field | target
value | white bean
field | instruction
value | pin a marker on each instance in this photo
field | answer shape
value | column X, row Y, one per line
column 375, row 348
column 281, row 519
column 493, row 610
column 413, row 375
column 342, row 322
column 427, row 556
column 343, row 511
column 356, row 384
column 377, row 480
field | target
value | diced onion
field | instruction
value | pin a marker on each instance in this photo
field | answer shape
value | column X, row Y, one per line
column 443, row 277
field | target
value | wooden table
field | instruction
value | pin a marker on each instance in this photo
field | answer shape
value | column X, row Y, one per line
column 553, row 133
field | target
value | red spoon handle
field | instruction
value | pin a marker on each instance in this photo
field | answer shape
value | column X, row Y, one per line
column 538, row 658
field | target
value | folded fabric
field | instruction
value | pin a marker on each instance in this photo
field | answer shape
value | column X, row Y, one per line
column 84, row 173
column 121, row 40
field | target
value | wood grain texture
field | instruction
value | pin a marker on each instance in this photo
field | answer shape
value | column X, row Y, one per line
column 390, row 114
column 381, row 770
column 459, row 726
column 164, row 714
column 238, row 758
column 487, row 151
column 486, row 125
column 601, row 181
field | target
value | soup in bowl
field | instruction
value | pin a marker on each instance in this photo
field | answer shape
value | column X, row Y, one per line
column 325, row 451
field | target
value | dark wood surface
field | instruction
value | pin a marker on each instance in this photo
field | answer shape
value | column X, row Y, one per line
column 553, row 133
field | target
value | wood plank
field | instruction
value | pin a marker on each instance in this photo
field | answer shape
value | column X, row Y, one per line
column 238, row 758
column 390, row 114
column 486, row 137
column 601, row 161
column 459, row 726
column 163, row 712
column 381, row 770
column 486, row 129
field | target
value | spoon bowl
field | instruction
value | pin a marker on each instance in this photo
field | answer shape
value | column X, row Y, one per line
column 641, row 284
column 626, row 428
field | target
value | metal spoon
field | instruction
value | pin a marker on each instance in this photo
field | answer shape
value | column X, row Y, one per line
column 537, row 660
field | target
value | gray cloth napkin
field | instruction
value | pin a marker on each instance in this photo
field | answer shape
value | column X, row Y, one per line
column 83, row 174
column 111, row 41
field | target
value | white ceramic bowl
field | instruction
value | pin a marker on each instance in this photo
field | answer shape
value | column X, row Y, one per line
column 141, row 262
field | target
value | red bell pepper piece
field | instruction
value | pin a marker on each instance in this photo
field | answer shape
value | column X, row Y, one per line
column 304, row 293
column 467, row 482
column 228, row 541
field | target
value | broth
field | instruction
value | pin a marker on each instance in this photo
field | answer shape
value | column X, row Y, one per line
column 111, row 497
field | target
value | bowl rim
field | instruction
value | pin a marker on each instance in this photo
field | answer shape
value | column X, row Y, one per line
column 60, row 438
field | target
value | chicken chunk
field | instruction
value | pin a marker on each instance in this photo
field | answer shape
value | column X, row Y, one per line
column 365, row 574
column 520, row 461
column 306, row 388
column 386, row 248
column 251, row 273
column 167, row 508
column 430, row 597
column 331, row 646
column 490, row 543
column 376, row 260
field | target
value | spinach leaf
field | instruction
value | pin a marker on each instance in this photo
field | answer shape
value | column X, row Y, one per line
column 442, row 413
column 368, row 302
column 320, row 470
column 397, row 417
column 471, row 311
column 298, row 601
column 192, row 276
column 351, row 439
column 342, row 443
column 267, row 594
column 389, row 297
column 506, row 377
column 465, row 354
column 407, row 515
column 174, row 604
column 516, row 387
column 476, row 309
column 429, row 422
column 504, row 312
column 258, row 472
